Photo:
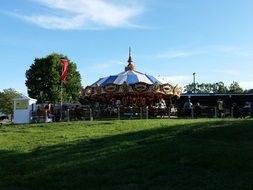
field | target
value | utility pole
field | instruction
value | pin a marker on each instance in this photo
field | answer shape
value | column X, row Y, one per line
column 194, row 82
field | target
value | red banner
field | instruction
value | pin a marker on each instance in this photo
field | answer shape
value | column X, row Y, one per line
column 65, row 65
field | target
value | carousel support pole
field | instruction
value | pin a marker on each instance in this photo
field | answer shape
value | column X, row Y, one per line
column 118, row 112
column 147, row 112
column 215, row 112
column 232, row 112
column 169, row 109
column 91, row 115
column 170, row 106
column 99, row 112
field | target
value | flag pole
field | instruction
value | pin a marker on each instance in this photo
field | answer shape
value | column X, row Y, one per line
column 61, row 103
column 64, row 62
column 62, row 69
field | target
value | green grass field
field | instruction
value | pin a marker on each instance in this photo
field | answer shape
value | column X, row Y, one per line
column 166, row 154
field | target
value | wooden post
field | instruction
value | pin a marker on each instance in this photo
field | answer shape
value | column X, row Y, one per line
column 68, row 119
column 215, row 112
column 147, row 112
column 61, row 103
column 91, row 115
column 118, row 112
column 232, row 111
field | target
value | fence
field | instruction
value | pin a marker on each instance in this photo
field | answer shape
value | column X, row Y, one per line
column 121, row 112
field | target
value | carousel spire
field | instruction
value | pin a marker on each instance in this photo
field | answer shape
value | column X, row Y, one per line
column 130, row 66
column 130, row 57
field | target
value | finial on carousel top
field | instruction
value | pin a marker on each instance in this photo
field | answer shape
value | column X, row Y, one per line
column 130, row 66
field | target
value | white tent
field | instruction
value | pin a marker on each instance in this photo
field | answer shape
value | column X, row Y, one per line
column 23, row 108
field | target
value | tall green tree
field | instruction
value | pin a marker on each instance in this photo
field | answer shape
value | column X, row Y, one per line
column 235, row 88
column 199, row 88
column 189, row 88
column 44, row 81
column 6, row 100
column 218, row 87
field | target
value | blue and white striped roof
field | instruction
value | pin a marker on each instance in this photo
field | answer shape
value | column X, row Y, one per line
column 130, row 77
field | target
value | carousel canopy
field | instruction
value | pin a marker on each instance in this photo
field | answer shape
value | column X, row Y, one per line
column 129, row 77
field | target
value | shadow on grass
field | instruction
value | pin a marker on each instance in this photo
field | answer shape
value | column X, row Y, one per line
column 209, row 155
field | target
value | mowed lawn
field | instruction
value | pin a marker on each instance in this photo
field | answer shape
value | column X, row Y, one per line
column 181, row 154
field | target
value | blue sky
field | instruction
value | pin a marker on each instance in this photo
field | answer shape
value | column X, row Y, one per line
column 169, row 38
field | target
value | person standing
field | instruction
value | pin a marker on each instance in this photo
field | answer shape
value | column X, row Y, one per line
column 220, row 107
column 48, row 113
column 236, row 110
column 188, row 108
column 197, row 110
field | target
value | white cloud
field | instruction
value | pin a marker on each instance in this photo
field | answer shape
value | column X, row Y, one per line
column 228, row 72
column 246, row 84
column 208, row 50
column 228, row 49
column 180, row 80
column 174, row 54
column 179, row 53
column 109, row 65
column 231, row 50
column 103, row 66
column 83, row 14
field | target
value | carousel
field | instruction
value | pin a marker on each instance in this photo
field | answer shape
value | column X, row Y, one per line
column 131, row 89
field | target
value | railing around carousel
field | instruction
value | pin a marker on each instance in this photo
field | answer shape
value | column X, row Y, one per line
column 122, row 112
column 70, row 114
column 134, row 112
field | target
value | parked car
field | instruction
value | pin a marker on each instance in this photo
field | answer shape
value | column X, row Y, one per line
column 4, row 119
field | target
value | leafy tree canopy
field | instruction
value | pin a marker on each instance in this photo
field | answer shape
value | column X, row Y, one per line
column 44, row 81
column 218, row 87
column 6, row 100
column 235, row 87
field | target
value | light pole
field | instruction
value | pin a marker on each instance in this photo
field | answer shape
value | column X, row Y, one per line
column 194, row 83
